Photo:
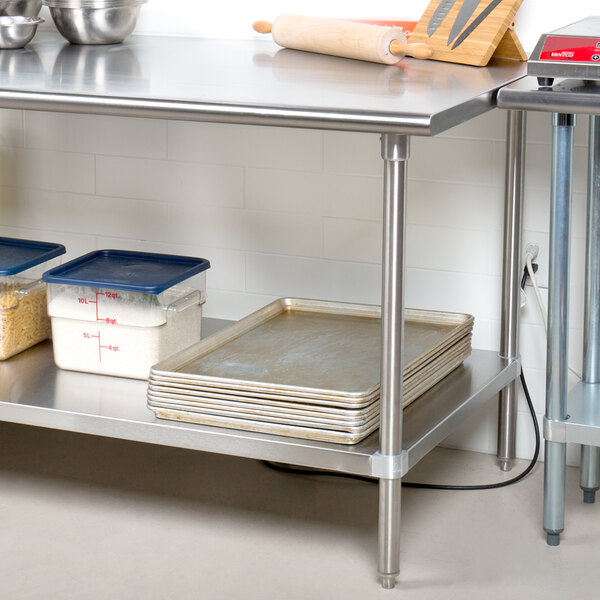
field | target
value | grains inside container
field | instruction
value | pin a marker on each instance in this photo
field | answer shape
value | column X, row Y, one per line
column 24, row 320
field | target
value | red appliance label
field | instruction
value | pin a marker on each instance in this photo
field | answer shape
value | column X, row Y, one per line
column 562, row 48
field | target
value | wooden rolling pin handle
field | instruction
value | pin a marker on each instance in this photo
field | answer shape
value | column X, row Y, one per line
column 414, row 50
column 262, row 26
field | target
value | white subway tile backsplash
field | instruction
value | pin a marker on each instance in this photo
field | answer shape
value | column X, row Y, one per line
column 250, row 146
column 352, row 153
column 96, row 134
column 478, row 295
column 354, row 197
column 169, row 181
column 532, row 344
column 351, row 239
column 456, row 160
column 233, row 305
column 237, row 229
column 295, row 192
column 460, row 205
column 313, row 278
column 118, row 216
column 322, row 194
column 446, row 249
column 57, row 171
column 11, row 128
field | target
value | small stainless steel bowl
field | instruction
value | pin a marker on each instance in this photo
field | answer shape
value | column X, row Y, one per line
column 15, row 32
column 95, row 21
column 20, row 8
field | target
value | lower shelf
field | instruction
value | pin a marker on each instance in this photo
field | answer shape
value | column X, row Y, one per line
column 33, row 391
column 583, row 423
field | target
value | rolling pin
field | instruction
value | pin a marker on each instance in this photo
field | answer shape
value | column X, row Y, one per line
column 342, row 38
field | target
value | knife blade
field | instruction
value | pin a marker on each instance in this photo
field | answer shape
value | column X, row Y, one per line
column 476, row 22
column 440, row 13
column 464, row 14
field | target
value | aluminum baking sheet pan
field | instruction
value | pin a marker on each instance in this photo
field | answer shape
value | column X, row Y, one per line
column 310, row 433
column 310, row 348
column 324, row 399
column 295, row 420
column 220, row 400
column 295, row 416
column 169, row 409
column 226, row 393
column 168, row 385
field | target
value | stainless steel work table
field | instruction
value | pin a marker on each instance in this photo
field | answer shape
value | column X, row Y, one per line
column 573, row 417
column 257, row 83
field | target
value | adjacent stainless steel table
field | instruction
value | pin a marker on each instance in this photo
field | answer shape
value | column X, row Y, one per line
column 257, row 83
column 574, row 417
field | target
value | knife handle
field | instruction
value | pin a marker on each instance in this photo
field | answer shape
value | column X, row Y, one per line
column 419, row 50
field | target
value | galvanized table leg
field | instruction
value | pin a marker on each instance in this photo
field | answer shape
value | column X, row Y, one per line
column 589, row 477
column 558, row 320
column 395, row 153
column 511, row 278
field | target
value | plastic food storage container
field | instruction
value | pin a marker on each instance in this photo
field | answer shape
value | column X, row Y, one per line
column 24, row 319
column 117, row 312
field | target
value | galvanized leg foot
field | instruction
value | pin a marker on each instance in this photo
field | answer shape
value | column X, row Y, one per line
column 553, row 539
column 589, row 496
column 505, row 465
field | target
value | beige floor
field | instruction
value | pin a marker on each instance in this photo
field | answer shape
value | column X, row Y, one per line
column 92, row 518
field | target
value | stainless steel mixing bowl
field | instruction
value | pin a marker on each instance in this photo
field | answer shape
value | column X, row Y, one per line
column 21, row 8
column 95, row 21
column 15, row 32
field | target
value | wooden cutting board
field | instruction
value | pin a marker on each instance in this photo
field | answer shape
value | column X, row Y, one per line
column 495, row 35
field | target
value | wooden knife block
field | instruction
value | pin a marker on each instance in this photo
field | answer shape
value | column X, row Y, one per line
column 495, row 35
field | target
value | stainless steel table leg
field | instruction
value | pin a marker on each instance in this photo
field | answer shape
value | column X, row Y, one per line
column 558, row 320
column 511, row 277
column 395, row 153
column 589, row 477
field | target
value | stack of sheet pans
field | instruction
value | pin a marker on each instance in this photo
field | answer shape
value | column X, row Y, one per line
column 304, row 368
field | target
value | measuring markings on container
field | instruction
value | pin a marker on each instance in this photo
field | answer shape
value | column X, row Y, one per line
column 108, row 295
column 108, row 348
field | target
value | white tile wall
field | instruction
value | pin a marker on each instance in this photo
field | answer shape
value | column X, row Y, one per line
column 297, row 212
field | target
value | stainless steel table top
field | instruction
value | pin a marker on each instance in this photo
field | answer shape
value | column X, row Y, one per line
column 565, row 96
column 247, row 82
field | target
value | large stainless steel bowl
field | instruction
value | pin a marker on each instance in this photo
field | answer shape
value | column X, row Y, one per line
column 95, row 21
column 22, row 8
column 15, row 32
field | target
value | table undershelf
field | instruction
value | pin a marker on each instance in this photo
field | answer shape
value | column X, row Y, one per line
column 33, row 391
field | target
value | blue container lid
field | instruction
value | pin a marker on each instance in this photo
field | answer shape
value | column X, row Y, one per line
column 124, row 270
column 19, row 255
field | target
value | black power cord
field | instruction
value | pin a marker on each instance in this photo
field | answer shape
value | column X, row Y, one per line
column 431, row 486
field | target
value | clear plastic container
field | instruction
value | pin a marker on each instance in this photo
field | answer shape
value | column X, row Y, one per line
column 24, row 319
column 117, row 313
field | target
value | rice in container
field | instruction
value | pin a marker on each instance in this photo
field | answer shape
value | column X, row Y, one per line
column 24, row 319
column 117, row 312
